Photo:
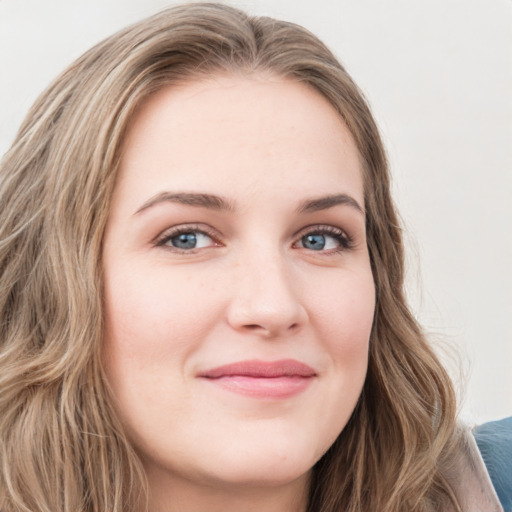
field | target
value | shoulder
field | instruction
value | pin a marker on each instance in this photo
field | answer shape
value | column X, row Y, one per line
column 494, row 441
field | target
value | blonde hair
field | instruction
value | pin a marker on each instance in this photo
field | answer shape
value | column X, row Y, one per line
column 62, row 448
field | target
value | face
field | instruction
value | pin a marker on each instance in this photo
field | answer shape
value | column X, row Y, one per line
column 238, row 290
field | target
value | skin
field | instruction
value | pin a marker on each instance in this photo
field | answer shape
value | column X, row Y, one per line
column 253, row 288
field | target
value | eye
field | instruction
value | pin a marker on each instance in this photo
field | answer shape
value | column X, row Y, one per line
column 186, row 239
column 325, row 238
column 192, row 240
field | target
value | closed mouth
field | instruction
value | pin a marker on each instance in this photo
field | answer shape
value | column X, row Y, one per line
column 262, row 379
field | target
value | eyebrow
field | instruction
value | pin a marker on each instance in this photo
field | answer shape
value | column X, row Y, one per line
column 218, row 203
column 323, row 203
column 210, row 201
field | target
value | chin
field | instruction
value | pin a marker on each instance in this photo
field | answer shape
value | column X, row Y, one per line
column 259, row 464
column 266, row 475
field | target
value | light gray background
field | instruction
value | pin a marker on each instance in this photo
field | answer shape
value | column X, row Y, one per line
column 438, row 74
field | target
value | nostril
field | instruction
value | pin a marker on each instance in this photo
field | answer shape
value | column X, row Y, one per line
column 257, row 327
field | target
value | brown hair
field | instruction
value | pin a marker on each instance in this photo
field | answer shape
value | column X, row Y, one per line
column 61, row 445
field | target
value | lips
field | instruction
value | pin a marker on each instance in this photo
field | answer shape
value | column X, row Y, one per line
column 262, row 379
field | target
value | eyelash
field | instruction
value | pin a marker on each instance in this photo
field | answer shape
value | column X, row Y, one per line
column 168, row 235
column 344, row 240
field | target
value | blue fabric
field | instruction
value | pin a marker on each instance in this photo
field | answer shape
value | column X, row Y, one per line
column 494, row 441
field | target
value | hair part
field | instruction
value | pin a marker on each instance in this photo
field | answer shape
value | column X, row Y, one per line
column 62, row 446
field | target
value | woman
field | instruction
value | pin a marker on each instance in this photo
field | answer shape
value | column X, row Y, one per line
column 202, row 289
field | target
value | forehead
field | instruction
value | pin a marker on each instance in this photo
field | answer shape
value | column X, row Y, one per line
column 249, row 132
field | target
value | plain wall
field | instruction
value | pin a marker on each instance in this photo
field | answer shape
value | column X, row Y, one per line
column 438, row 75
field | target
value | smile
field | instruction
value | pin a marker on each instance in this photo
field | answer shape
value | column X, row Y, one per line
column 261, row 379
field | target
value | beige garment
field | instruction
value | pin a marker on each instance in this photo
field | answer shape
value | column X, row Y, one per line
column 474, row 488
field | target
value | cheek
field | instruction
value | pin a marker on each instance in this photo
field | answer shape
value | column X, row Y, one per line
column 345, row 317
column 148, row 313
column 344, row 313
column 153, row 324
column 151, row 328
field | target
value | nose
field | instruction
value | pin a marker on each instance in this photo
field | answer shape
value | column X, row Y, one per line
column 266, row 300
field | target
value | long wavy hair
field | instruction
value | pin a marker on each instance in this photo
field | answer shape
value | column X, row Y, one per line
column 62, row 448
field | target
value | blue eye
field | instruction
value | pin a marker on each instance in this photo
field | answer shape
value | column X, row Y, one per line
column 186, row 240
column 313, row 242
column 325, row 238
